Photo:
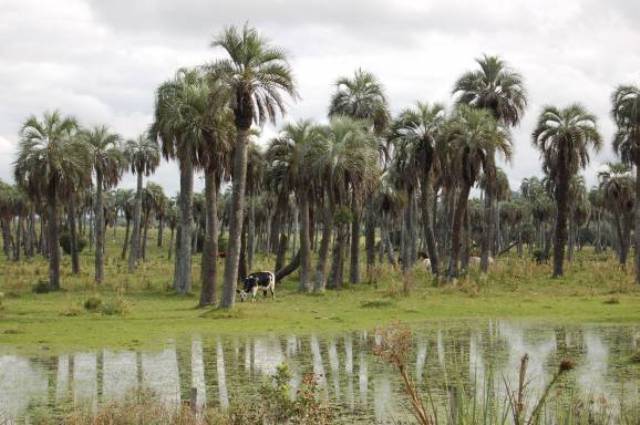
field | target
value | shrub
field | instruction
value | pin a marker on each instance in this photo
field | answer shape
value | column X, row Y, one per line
column 41, row 287
column 92, row 303
column 65, row 243
column 117, row 306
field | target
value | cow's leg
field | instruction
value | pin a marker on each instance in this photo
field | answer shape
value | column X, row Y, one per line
column 273, row 291
column 254, row 291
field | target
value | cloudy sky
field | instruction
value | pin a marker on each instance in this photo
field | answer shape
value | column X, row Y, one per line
column 101, row 60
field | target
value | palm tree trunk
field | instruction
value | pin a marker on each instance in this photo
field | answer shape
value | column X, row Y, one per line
column 18, row 244
column 427, row 223
column 323, row 254
column 305, row 284
column 126, row 239
column 171, row 242
column 562, row 195
column 251, row 233
column 487, row 234
column 236, row 220
column 210, row 248
column 637, row 224
column 182, row 273
column 99, row 227
column 335, row 277
column 243, row 270
column 354, row 270
column 456, row 230
column 370, row 238
column 145, row 231
column 160, row 231
column 137, row 220
column 6, row 238
column 281, row 253
column 53, row 237
column 75, row 255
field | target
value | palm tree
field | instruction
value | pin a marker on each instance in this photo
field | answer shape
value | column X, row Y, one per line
column 253, row 79
column 178, row 113
column 50, row 164
column 289, row 160
column 217, row 132
column 472, row 136
column 152, row 197
column 344, row 158
column 361, row 97
column 564, row 137
column 626, row 113
column 618, row 197
column 143, row 156
column 108, row 163
column 416, row 130
column 501, row 91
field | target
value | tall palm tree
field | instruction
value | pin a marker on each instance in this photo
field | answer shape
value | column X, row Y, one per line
column 626, row 113
column 253, row 78
column 289, row 160
column 179, row 103
column 361, row 97
column 501, row 91
column 108, row 163
column 214, row 126
column 564, row 138
column 50, row 164
column 417, row 130
column 143, row 156
column 472, row 136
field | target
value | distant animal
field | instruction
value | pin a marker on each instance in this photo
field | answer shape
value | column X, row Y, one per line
column 540, row 256
column 264, row 281
column 427, row 264
column 475, row 261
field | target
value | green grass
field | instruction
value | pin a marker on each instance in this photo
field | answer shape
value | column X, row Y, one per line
column 142, row 310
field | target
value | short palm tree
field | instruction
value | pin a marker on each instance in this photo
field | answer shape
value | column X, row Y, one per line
column 416, row 131
column 626, row 113
column 564, row 138
column 52, row 163
column 500, row 90
column 143, row 156
column 472, row 136
column 344, row 158
column 289, row 161
column 253, row 79
column 108, row 162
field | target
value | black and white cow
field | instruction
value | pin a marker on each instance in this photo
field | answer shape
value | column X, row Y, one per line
column 265, row 281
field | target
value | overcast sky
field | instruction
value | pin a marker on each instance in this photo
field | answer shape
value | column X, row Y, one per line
column 102, row 60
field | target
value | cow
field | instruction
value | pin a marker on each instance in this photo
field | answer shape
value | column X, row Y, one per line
column 265, row 281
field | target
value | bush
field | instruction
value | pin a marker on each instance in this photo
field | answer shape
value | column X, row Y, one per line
column 92, row 303
column 65, row 243
column 42, row 287
column 117, row 306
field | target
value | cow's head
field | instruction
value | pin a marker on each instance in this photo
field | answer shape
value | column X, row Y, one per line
column 248, row 283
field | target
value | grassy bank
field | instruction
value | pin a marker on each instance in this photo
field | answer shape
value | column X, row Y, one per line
column 140, row 309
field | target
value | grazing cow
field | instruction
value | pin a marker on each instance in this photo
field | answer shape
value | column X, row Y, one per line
column 265, row 281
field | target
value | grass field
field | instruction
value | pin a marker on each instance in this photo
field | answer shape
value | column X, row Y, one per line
column 141, row 309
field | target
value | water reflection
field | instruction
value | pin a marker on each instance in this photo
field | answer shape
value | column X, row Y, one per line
column 349, row 376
